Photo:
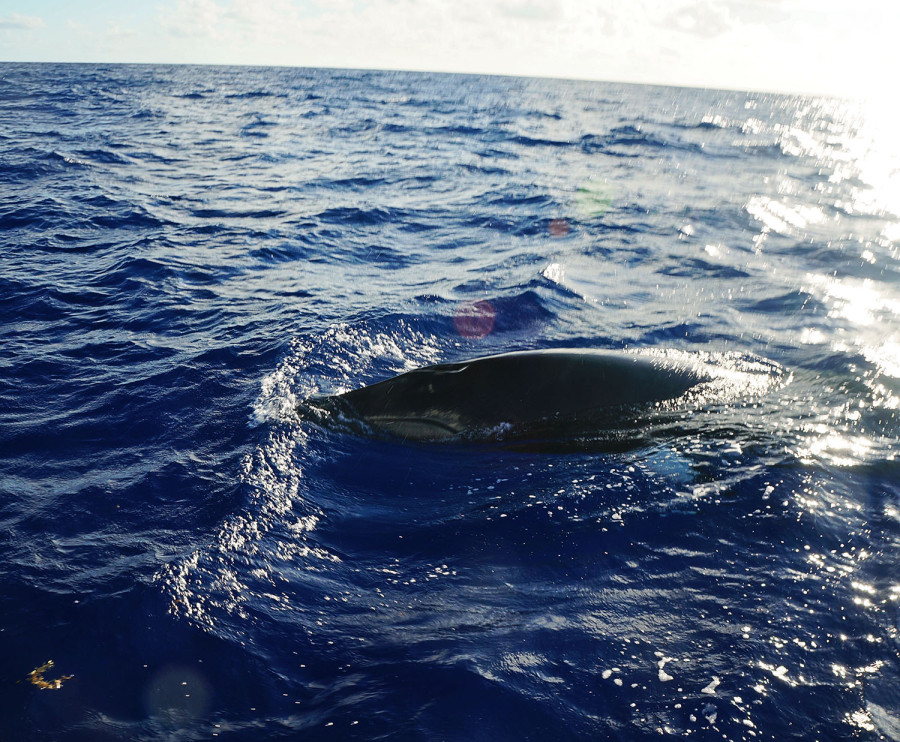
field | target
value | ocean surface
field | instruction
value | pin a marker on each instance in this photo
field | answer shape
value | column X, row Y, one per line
column 189, row 252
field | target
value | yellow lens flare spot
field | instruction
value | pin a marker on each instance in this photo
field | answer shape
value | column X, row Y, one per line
column 36, row 677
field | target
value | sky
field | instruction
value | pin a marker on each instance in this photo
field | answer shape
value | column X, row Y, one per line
column 831, row 47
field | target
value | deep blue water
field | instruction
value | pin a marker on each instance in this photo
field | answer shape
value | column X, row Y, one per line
column 187, row 252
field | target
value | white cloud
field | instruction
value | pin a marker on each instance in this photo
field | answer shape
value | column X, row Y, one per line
column 782, row 45
column 16, row 21
column 193, row 18
column 701, row 18
column 531, row 9
column 617, row 39
column 115, row 31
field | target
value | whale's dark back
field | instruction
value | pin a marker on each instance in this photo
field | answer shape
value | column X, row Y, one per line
column 514, row 392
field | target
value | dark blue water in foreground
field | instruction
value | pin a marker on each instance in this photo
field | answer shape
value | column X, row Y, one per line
column 187, row 252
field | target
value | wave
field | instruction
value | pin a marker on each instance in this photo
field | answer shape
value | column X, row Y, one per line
column 207, row 213
column 785, row 304
column 689, row 267
column 250, row 94
column 628, row 141
column 356, row 216
column 102, row 156
column 182, row 269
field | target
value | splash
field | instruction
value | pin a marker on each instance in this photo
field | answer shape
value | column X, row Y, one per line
column 271, row 532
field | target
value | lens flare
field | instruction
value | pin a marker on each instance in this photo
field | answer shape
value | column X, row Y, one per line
column 474, row 319
column 594, row 198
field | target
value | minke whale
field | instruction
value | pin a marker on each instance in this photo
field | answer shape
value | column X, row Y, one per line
column 538, row 395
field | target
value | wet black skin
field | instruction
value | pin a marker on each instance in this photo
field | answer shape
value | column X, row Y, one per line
column 544, row 393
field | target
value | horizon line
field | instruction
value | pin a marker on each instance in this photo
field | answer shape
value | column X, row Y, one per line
column 642, row 83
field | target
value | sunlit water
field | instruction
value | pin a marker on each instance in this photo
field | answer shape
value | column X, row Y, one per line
column 190, row 252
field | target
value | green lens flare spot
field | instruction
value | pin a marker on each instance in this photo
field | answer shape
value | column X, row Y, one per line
column 594, row 198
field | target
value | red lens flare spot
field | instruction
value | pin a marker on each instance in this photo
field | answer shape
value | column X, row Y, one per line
column 474, row 319
column 558, row 227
